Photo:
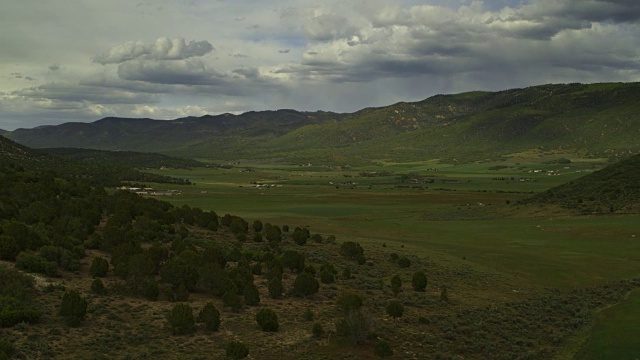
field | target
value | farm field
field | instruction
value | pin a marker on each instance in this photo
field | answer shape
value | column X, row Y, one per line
column 467, row 217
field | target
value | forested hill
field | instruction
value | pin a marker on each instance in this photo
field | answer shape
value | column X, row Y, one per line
column 129, row 159
column 615, row 188
column 598, row 119
column 13, row 155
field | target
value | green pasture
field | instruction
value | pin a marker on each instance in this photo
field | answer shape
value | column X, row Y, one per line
column 464, row 216
column 615, row 333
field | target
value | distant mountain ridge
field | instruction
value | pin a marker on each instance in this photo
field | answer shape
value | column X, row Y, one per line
column 599, row 119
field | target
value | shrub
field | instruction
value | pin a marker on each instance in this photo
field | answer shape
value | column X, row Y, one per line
column 181, row 293
column 355, row 326
column 349, row 301
column 419, row 281
column 396, row 285
column 97, row 287
column 14, row 311
column 308, row 315
column 383, row 349
column 150, row 290
column 275, row 287
column 237, row 350
column 251, row 295
column 293, row 260
column 317, row 238
column 327, row 277
column 73, row 308
column 180, row 320
column 346, row 272
column 99, row 267
column 267, row 320
column 257, row 226
column 6, row 349
column 317, row 330
column 404, row 262
column 232, row 300
column 32, row 262
column 210, row 316
column 395, row 309
column 305, row 284
column 352, row 250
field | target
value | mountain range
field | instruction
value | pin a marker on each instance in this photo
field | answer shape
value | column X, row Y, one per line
column 586, row 119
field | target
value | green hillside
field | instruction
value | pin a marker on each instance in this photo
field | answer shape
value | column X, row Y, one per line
column 615, row 188
column 124, row 158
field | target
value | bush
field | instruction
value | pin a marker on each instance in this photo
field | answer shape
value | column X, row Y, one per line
column 383, row 349
column 97, row 287
column 317, row 238
column 32, row 262
column 419, row 281
column 181, row 293
column 267, row 320
column 349, row 301
column 251, row 295
column 99, row 267
column 232, row 300
column 404, row 262
column 293, row 260
column 352, row 250
column 327, row 277
column 210, row 316
column 6, row 349
column 308, row 315
column 73, row 308
column 305, row 284
column 237, row 350
column 180, row 320
column 275, row 287
column 14, row 311
column 396, row 285
column 395, row 309
column 317, row 330
column 150, row 290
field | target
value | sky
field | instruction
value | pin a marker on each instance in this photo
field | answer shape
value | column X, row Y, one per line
column 82, row 60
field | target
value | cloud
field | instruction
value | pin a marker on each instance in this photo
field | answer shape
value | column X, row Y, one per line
column 162, row 49
column 182, row 72
column 63, row 94
column 54, row 67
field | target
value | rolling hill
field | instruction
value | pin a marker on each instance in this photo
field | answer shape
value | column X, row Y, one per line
column 615, row 188
column 593, row 119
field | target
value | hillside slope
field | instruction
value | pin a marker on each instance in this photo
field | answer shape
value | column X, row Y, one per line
column 615, row 188
column 598, row 119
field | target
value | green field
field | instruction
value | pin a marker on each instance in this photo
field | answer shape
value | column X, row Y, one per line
column 461, row 218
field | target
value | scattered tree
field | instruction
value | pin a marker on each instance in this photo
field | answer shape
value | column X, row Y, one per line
column 267, row 320
column 210, row 316
column 404, row 262
column 99, row 267
column 396, row 285
column 251, row 294
column 180, row 320
column 305, row 284
column 395, row 309
column 73, row 308
column 237, row 350
column 419, row 281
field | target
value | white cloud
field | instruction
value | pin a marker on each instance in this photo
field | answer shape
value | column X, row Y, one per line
column 162, row 49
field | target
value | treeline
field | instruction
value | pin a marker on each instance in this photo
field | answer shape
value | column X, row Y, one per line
column 129, row 159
